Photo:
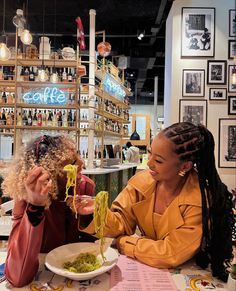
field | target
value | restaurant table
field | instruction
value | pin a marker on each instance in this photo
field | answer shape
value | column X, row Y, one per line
column 185, row 278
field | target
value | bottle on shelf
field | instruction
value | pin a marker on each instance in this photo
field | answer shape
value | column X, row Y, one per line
column 31, row 75
column 4, row 119
column 44, row 118
column 4, row 97
column 60, row 119
column 24, row 118
column 64, row 75
column 70, row 119
column 30, row 118
column 70, row 77
column 19, row 119
column 26, row 74
column 64, row 119
column 49, row 121
column 22, row 75
column 40, row 118
column 35, row 118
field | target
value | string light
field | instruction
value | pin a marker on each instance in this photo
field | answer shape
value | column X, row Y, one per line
column 5, row 53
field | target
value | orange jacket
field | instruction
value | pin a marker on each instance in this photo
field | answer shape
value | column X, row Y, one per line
column 178, row 234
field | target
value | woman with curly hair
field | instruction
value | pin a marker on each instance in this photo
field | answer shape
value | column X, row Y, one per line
column 180, row 205
column 42, row 220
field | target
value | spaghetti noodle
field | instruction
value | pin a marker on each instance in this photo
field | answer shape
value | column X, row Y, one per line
column 100, row 212
column 71, row 171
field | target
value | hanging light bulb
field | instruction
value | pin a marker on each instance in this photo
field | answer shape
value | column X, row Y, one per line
column 5, row 53
column 233, row 76
column 26, row 37
column 42, row 75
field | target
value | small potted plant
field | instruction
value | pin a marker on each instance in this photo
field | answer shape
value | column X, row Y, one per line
column 231, row 284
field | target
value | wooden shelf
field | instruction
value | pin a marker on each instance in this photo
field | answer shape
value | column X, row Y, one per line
column 45, row 106
column 5, row 83
column 7, row 105
column 111, row 116
column 7, row 126
column 7, row 133
column 47, row 128
column 49, row 63
column 102, row 94
column 44, row 84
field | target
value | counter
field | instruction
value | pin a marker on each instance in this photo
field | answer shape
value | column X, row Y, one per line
column 112, row 179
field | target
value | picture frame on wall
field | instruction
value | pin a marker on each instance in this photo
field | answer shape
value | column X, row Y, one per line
column 194, row 111
column 198, row 32
column 231, row 49
column 227, row 143
column 216, row 72
column 232, row 22
column 218, row 94
column 193, row 82
column 232, row 105
column 231, row 86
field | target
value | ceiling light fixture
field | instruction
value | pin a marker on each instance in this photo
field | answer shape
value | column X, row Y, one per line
column 140, row 34
column 26, row 36
column 5, row 53
column 42, row 75
column 54, row 76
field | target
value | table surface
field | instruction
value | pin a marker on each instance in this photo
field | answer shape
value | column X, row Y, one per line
column 184, row 277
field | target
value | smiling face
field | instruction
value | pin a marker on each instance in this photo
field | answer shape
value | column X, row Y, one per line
column 163, row 162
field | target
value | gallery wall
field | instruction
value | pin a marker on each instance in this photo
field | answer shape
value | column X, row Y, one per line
column 182, row 68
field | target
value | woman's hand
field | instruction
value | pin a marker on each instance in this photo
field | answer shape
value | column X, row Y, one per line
column 37, row 185
column 84, row 204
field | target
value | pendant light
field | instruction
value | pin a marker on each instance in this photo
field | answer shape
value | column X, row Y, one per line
column 5, row 53
column 42, row 75
column 54, row 76
column 135, row 135
column 26, row 36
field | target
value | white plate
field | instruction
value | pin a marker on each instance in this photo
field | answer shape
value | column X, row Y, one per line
column 55, row 259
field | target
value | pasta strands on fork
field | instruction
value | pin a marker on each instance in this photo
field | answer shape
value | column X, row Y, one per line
column 71, row 171
column 100, row 212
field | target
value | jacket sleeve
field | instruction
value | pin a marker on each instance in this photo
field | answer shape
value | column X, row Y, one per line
column 120, row 218
column 178, row 246
column 24, row 245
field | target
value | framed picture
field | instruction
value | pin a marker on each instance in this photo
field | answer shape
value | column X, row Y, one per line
column 193, row 83
column 232, row 22
column 232, row 105
column 194, row 111
column 227, row 143
column 218, row 94
column 216, row 72
column 198, row 32
column 231, row 49
column 231, row 83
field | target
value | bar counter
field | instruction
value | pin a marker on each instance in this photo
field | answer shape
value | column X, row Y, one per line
column 112, row 179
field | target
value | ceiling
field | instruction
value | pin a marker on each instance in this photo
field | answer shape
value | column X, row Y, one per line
column 121, row 20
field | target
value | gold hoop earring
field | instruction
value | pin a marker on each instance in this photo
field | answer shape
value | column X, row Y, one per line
column 181, row 173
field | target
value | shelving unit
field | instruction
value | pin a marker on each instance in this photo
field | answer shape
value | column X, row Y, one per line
column 118, row 120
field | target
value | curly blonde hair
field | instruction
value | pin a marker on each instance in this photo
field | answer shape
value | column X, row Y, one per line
column 49, row 152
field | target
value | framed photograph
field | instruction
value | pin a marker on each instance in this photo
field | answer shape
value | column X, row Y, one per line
column 231, row 49
column 232, row 105
column 193, row 83
column 232, row 22
column 198, row 32
column 232, row 81
column 194, row 111
column 218, row 94
column 216, row 72
column 227, row 143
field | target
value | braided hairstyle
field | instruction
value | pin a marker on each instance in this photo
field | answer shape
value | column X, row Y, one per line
column 196, row 144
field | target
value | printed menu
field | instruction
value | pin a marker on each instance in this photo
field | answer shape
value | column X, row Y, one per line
column 131, row 275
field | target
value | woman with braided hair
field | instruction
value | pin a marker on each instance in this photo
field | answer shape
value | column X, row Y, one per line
column 42, row 220
column 180, row 205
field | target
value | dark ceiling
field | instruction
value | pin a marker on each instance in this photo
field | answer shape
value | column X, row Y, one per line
column 120, row 19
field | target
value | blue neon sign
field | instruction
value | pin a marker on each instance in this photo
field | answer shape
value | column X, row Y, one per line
column 48, row 95
column 112, row 87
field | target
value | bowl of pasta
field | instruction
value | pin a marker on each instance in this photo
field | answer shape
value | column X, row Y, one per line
column 80, row 261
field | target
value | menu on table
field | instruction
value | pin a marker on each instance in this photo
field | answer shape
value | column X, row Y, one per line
column 131, row 275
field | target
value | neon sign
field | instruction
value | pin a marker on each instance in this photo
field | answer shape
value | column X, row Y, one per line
column 48, row 95
column 111, row 86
